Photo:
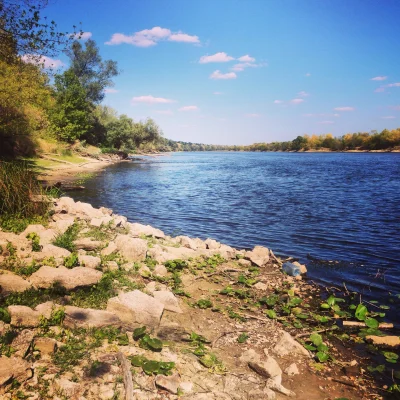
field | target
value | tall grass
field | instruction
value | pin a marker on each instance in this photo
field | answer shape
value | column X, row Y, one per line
column 18, row 188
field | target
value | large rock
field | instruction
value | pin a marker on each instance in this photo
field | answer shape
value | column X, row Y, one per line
column 14, row 369
column 227, row 252
column 86, row 211
column 212, row 244
column 45, row 345
column 287, row 345
column 259, row 256
column 268, row 369
column 28, row 317
column 10, row 282
column 164, row 253
column 49, row 250
column 62, row 224
column 22, row 343
column 169, row 383
column 87, row 244
column 384, row 341
column 89, row 261
column 73, row 278
column 110, row 249
column 186, row 241
column 137, row 230
column 171, row 303
column 136, row 308
column 98, row 222
column 132, row 249
column 68, row 389
column 76, row 317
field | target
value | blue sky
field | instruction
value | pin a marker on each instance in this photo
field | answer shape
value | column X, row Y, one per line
column 240, row 72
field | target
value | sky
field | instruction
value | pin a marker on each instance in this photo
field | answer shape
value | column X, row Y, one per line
column 246, row 71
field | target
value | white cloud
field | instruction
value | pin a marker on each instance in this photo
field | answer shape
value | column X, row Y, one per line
column 46, row 62
column 296, row 101
column 151, row 100
column 308, row 74
column 218, row 93
column 150, row 37
column 253, row 115
column 110, row 90
column 246, row 58
column 278, row 101
column 326, row 122
column 389, row 117
column 188, row 108
column 397, row 84
column 344, row 109
column 379, row 78
column 83, row 36
column 218, row 75
column 217, row 57
column 183, row 37
column 164, row 112
column 303, row 94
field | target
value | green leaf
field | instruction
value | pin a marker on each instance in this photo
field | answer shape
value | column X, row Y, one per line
column 302, row 316
column 322, row 357
column 295, row 301
column 390, row 356
column 138, row 361
column 151, row 367
column 155, row 344
column 372, row 323
column 242, row 337
column 297, row 324
column 384, row 307
column 361, row 312
column 323, row 347
column 309, row 347
column 316, row 339
column 321, row 318
column 139, row 333
column 271, row 314
column 330, row 300
column 325, row 305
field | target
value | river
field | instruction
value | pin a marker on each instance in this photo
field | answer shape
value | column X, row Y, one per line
column 338, row 207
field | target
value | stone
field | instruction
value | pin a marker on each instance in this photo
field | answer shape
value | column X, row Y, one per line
column 268, row 369
column 227, row 252
column 46, row 309
column 14, row 368
column 87, row 244
column 69, row 389
column 171, row 303
column 169, row 383
column 292, row 370
column 98, row 222
column 152, row 286
column 244, row 263
column 106, row 211
column 144, row 271
column 10, row 282
column 200, row 244
column 186, row 241
column 384, row 341
column 135, row 308
column 212, row 244
column 258, row 394
column 61, row 225
column 258, row 256
column 73, row 278
column 3, row 328
column 287, row 345
column 137, row 230
column 112, row 266
column 273, row 384
column 76, row 317
column 110, row 249
column 24, row 316
column 22, row 343
column 132, row 249
column 89, row 261
column 260, row 286
column 250, row 356
column 45, row 345
column 302, row 267
column 119, row 221
column 160, row 270
column 186, row 387
column 165, row 253
column 49, row 250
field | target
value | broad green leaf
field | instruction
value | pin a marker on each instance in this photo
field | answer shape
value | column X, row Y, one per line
column 371, row 323
column 361, row 312
column 151, row 367
column 139, row 333
column 323, row 347
column 138, row 361
column 322, row 357
column 325, row 305
column 316, row 339
column 297, row 324
column 309, row 347
column 270, row 314
column 330, row 300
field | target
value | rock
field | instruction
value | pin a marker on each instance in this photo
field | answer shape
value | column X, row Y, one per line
column 171, row 303
column 384, row 341
column 89, row 261
column 3, row 328
column 137, row 230
column 260, row 286
column 135, row 308
column 258, row 394
column 35, row 228
column 110, row 249
column 46, row 309
column 268, row 369
column 61, row 225
column 171, row 331
column 302, row 267
column 86, row 211
column 76, row 317
column 14, row 368
column 73, row 278
column 152, row 286
column 186, row 387
column 69, row 389
column 259, row 256
column 212, row 244
column 119, row 220
column 292, row 370
column 144, row 271
column 287, row 345
column 49, row 250
column 227, row 252
column 250, row 356
column 170, row 383
column 277, row 386
column 186, row 241
column 244, row 263
column 64, row 205
column 10, row 282
column 131, row 249
column 24, row 316
column 98, row 222
column 45, row 345
column 106, row 211
column 200, row 244
column 22, row 343
column 164, row 253
column 87, row 244
column 160, row 270
column 112, row 266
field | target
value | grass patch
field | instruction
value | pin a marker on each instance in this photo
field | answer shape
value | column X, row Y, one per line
column 66, row 239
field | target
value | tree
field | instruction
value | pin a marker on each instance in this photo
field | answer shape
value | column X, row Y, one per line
column 71, row 113
column 93, row 73
column 299, row 143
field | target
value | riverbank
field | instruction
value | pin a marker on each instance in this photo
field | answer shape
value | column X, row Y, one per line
column 221, row 323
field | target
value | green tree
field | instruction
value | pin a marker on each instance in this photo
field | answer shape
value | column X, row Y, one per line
column 94, row 73
column 71, row 113
column 299, row 143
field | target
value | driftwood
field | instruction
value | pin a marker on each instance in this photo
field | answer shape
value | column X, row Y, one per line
column 382, row 325
column 126, row 370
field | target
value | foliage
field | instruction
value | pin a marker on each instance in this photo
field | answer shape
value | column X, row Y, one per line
column 35, row 240
column 66, row 239
column 71, row 261
column 151, row 367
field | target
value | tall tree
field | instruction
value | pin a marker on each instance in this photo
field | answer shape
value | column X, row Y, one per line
column 94, row 73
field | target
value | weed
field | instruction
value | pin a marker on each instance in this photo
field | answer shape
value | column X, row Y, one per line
column 204, row 304
column 151, row 367
column 5, row 315
column 242, row 338
column 35, row 241
column 97, row 233
column 71, row 261
column 66, row 239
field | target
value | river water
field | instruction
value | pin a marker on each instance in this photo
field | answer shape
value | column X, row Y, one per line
column 339, row 207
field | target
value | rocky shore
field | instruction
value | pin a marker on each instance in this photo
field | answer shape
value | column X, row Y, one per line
column 96, row 307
